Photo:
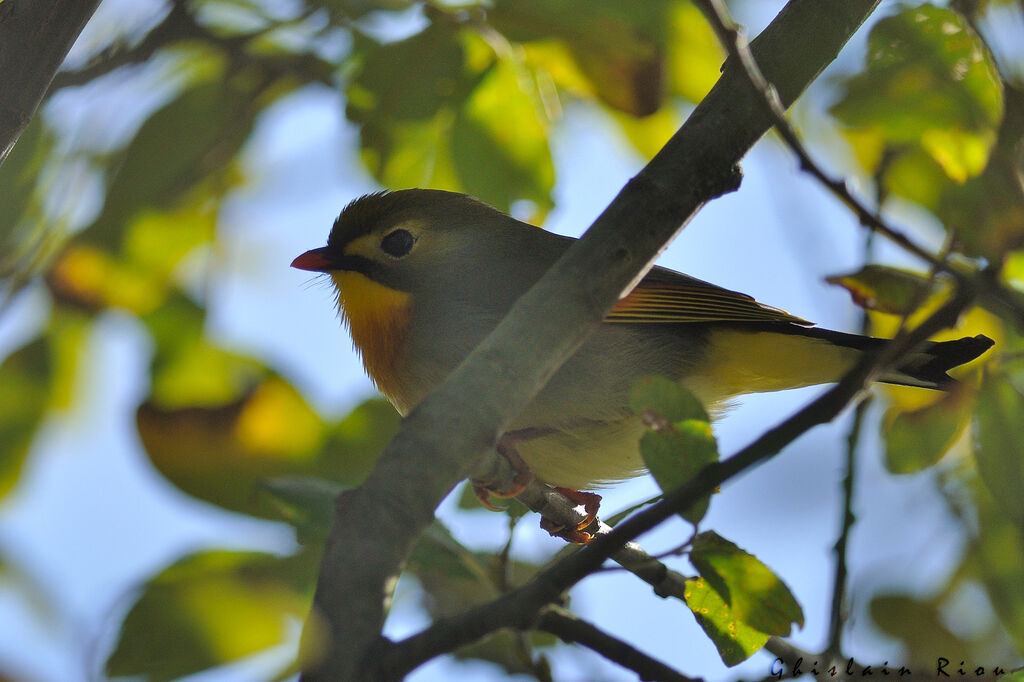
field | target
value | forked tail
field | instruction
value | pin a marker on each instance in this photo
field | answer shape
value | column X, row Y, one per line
column 927, row 366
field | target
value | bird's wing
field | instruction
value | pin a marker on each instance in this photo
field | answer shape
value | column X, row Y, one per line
column 672, row 297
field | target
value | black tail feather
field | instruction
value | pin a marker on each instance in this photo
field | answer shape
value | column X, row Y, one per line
column 928, row 366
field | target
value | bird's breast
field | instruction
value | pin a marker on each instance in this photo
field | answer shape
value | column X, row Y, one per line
column 378, row 320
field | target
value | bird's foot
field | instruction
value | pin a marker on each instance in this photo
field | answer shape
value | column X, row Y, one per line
column 591, row 503
column 520, row 479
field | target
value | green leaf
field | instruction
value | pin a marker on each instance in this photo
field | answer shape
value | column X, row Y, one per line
column 917, row 439
column 665, row 398
column 472, row 121
column 387, row 87
column 675, row 455
column 225, row 453
column 735, row 640
column 754, row 594
column 929, row 82
column 986, row 213
column 222, row 454
column 26, row 378
column 209, row 609
column 999, row 432
column 406, row 115
column 680, row 442
column 886, row 289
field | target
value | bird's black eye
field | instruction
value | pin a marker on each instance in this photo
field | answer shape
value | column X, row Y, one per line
column 397, row 243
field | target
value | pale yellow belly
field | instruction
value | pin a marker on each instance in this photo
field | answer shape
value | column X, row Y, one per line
column 588, row 456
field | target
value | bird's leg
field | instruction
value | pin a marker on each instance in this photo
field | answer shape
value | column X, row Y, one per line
column 522, row 475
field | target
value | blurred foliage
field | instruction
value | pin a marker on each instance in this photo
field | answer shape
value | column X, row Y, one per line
column 213, row 608
column 465, row 96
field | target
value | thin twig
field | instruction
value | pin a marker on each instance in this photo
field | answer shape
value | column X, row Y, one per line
column 570, row 628
column 837, row 611
column 990, row 291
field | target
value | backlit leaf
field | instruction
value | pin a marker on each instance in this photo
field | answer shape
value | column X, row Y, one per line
column 499, row 141
column 886, row 289
column 917, row 439
column 473, row 121
column 617, row 46
column 189, row 370
column 251, row 454
column 90, row 278
column 929, row 82
column 755, row 595
column 695, row 55
column 222, row 454
column 735, row 640
column 212, row 608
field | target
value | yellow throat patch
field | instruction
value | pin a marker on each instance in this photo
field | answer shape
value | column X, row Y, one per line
column 377, row 317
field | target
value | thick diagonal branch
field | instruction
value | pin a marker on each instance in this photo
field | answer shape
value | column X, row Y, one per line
column 35, row 36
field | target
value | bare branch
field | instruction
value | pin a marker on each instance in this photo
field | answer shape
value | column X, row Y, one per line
column 569, row 628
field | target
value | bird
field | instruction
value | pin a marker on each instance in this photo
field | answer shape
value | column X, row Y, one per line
column 422, row 276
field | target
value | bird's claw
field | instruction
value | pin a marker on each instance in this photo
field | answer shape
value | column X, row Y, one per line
column 578, row 535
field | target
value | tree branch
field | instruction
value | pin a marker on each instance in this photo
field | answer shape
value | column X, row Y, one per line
column 376, row 524
column 569, row 628
column 990, row 292
column 35, row 36
column 518, row 608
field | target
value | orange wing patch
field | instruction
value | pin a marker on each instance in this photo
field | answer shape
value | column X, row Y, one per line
column 691, row 300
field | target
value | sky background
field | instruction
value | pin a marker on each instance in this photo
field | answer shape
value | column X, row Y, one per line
column 91, row 518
